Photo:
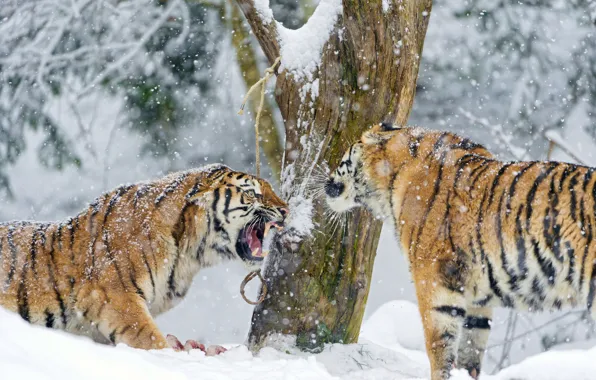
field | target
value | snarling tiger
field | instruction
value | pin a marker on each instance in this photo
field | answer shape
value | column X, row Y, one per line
column 478, row 232
column 133, row 253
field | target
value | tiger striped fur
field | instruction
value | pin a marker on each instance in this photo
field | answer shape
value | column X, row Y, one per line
column 132, row 254
column 478, row 232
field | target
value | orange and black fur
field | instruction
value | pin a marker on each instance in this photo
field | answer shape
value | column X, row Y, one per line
column 134, row 252
column 478, row 232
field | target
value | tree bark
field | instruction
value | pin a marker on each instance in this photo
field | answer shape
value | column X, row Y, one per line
column 319, row 283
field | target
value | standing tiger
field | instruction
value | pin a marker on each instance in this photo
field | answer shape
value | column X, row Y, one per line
column 133, row 252
column 478, row 232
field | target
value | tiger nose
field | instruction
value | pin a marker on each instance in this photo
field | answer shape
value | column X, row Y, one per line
column 283, row 211
column 334, row 189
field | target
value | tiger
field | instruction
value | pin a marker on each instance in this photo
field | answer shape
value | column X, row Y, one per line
column 133, row 252
column 477, row 232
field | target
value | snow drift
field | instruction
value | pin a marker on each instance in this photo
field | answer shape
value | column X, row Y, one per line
column 32, row 352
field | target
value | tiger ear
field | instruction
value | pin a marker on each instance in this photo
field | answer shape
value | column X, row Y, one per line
column 377, row 134
column 202, row 189
column 388, row 127
column 198, row 194
column 373, row 138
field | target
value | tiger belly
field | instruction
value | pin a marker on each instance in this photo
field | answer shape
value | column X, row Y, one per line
column 172, row 283
column 544, row 285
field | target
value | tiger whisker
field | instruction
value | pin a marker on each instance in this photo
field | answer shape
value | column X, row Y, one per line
column 335, row 222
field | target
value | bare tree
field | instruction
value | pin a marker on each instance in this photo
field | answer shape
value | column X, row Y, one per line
column 353, row 64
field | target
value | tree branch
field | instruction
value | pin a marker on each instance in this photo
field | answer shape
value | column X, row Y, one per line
column 247, row 61
column 412, row 15
column 126, row 58
column 265, row 30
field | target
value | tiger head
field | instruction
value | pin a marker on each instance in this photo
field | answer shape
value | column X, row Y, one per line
column 244, row 209
column 358, row 179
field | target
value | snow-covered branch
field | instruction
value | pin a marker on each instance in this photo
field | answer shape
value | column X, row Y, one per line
column 126, row 58
column 55, row 51
column 44, row 42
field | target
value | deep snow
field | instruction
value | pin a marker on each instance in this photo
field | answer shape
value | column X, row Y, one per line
column 32, row 352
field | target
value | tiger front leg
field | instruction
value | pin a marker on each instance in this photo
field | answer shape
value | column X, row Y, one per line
column 472, row 344
column 122, row 318
column 443, row 313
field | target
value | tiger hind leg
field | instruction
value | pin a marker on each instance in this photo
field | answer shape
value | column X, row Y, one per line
column 472, row 344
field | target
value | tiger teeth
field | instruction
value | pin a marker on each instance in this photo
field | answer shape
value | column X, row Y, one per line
column 265, row 253
column 255, row 252
column 267, row 228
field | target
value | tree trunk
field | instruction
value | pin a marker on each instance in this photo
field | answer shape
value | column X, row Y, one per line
column 319, row 281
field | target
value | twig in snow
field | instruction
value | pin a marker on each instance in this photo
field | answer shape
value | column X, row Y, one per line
column 539, row 327
column 556, row 140
column 497, row 131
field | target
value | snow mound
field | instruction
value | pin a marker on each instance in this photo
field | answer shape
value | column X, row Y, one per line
column 31, row 352
column 395, row 322
column 372, row 361
column 301, row 49
column 264, row 10
column 551, row 365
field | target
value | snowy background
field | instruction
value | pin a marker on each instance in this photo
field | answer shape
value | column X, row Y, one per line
column 95, row 94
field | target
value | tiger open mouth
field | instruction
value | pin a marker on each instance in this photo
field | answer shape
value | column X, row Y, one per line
column 250, row 239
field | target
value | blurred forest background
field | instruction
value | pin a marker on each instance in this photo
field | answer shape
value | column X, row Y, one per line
column 95, row 93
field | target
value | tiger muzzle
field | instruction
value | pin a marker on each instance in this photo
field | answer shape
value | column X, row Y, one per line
column 334, row 189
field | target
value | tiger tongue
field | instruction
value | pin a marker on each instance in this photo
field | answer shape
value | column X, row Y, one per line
column 254, row 243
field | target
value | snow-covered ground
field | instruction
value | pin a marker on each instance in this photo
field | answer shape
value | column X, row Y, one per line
column 390, row 348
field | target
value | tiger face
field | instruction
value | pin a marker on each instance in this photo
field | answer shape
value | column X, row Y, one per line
column 245, row 210
column 353, row 184
column 345, row 188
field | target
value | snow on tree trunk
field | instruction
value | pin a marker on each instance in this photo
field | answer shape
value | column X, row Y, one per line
column 352, row 65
